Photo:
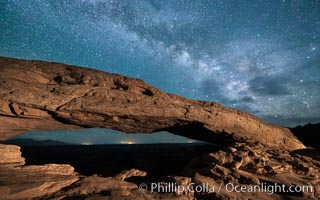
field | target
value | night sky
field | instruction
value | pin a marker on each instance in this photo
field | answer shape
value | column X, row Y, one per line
column 262, row 57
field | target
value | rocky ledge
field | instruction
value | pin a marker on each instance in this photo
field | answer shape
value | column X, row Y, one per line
column 42, row 95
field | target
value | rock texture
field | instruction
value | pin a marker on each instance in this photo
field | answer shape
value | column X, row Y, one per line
column 130, row 173
column 96, row 188
column 245, row 165
column 42, row 95
column 18, row 181
column 241, row 164
column 248, row 165
column 59, row 181
column 10, row 156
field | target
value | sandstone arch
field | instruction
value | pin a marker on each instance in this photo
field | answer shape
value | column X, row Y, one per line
column 43, row 95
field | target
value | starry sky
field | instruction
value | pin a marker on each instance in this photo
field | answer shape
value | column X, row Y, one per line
column 259, row 56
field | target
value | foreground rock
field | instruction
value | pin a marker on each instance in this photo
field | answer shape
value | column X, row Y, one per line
column 130, row 173
column 10, row 156
column 26, row 182
column 262, row 172
column 59, row 181
column 276, row 174
column 99, row 188
column 211, row 176
column 42, row 95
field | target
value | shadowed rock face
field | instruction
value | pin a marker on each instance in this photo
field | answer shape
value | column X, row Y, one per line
column 36, row 95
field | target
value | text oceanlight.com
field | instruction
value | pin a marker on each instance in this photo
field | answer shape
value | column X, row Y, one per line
column 229, row 187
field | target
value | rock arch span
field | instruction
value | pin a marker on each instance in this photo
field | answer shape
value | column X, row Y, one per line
column 37, row 95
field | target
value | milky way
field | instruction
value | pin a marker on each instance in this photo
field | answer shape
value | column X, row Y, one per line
column 262, row 57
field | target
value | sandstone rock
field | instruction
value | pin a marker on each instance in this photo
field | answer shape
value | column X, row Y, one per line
column 19, row 183
column 26, row 182
column 181, row 182
column 10, row 156
column 96, row 184
column 95, row 188
column 42, row 95
column 130, row 173
column 59, row 181
column 59, row 169
column 260, row 165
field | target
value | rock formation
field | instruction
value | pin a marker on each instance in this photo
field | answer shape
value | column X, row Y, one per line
column 10, row 155
column 244, row 164
column 241, row 164
column 59, row 181
column 36, row 95
column 18, row 181
column 130, row 173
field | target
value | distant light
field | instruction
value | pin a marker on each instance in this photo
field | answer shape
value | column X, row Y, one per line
column 86, row 143
column 127, row 142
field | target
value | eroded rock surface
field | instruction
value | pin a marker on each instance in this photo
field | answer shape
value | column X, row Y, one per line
column 42, row 95
column 241, row 164
column 249, row 165
column 96, row 188
column 59, row 181
column 10, row 156
column 130, row 173
column 18, row 181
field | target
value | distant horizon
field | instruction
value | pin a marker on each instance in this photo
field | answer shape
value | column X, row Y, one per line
column 23, row 142
column 102, row 136
column 97, row 136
